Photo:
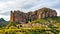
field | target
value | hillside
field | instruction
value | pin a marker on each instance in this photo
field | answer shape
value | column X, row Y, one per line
column 48, row 19
column 3, row 22
column 49, row 25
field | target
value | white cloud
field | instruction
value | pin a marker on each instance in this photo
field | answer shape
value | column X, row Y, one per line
column 26, row 5
column 5, row 17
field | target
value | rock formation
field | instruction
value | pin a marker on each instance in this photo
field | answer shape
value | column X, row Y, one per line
column 21, row 17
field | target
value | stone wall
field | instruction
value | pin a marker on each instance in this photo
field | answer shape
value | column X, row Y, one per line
column 21, row 17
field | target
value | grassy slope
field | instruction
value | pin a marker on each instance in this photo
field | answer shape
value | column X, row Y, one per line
column 52, row 23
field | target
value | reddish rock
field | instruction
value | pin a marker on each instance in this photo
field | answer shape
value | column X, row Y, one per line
column 18, row 16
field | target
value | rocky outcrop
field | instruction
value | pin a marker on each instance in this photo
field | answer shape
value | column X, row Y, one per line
column 21, row 17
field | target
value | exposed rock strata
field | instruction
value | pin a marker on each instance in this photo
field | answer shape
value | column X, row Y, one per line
column 18, row 16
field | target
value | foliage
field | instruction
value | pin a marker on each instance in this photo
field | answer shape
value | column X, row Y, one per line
column 48, row 20
column 53, row 27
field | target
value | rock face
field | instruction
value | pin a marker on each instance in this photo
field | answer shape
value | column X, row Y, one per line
column 21, row 17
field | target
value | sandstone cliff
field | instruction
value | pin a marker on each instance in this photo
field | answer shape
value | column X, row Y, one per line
column 21, row 17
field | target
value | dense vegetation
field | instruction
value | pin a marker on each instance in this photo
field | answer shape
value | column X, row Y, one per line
column 53, row 27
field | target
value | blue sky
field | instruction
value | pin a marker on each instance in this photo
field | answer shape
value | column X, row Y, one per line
column 26, row 5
